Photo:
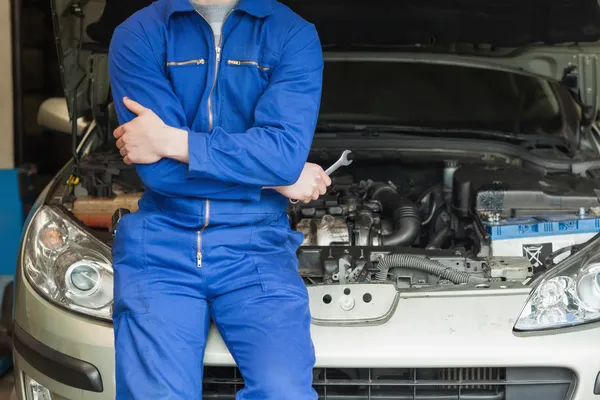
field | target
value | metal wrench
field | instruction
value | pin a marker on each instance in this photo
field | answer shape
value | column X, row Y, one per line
column 345, row 160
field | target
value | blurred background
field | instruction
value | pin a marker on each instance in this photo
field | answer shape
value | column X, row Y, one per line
column 29, row 154
column 38, row 153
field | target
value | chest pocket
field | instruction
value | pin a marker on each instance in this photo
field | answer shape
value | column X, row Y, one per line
column 246, row 74
column 250, row 71
column 186, row 72
column 188, row 77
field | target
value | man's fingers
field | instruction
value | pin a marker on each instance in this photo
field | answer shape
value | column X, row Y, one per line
column 322, row 187
column 127, row 161
column 120, row 143
column 326, row 178
column 317, row 181
column 133, row 106
column 316, row 193
column 120, row 131
column 123, row 151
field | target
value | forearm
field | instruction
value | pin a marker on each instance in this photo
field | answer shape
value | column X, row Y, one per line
column 169, row 178
column 178, row 149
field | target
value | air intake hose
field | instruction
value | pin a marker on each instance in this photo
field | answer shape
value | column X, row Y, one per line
column 439, row 238
column 426, row 265
column 406, row 220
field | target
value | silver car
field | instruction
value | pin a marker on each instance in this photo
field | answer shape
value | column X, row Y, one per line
column 457, row 257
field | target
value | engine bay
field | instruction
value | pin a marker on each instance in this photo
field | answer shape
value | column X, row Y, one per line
column 369, row 232
column 414, row 224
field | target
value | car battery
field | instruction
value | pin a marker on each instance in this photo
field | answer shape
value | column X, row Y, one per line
column 538, row 237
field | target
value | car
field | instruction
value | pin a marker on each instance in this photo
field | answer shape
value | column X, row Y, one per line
column 457, row 257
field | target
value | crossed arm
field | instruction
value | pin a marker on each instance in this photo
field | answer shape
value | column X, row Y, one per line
column 173, row 160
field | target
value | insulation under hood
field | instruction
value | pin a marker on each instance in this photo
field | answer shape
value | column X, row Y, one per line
column 553, row 39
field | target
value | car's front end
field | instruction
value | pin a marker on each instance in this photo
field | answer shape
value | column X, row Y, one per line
column 458, row 257
column 440, row 344
column 434, row 346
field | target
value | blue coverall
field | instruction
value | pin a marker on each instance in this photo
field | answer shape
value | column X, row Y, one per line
column 208, row 241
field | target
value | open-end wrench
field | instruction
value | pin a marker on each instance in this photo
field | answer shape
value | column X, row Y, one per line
column 345, row 160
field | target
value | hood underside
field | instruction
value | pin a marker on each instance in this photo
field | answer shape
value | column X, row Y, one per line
column 506, row 23
column 552, row 39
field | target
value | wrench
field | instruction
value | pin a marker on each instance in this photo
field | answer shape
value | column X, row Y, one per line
column 345, row 160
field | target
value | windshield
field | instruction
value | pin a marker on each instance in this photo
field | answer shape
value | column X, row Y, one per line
column 440, row 96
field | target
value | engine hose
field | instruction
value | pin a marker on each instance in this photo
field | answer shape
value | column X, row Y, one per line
column 440, row 238
column 425, row 264
column 405, row 217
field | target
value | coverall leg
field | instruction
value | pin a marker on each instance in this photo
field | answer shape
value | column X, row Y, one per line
column 160, row 314
column 266, row 333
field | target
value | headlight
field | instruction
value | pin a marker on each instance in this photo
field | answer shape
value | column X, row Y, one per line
column 67, row 265
column 568, row 295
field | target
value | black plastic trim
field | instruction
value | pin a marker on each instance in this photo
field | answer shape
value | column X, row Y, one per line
column 597, row 385
column 55, row 365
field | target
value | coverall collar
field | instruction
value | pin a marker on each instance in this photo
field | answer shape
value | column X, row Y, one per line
column 257, row 8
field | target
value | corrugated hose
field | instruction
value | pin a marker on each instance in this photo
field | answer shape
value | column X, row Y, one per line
column 430, row 266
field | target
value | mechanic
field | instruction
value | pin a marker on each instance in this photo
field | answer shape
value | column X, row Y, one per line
column 218, row 111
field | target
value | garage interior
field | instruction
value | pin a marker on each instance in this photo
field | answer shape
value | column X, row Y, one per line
column 447, row 96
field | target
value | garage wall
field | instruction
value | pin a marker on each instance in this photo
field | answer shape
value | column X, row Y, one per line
column 6, row 89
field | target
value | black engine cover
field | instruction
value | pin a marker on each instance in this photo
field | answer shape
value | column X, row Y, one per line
column 513, row 192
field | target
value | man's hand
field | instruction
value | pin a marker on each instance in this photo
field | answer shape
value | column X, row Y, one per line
column 313, row 182
column 146, row 138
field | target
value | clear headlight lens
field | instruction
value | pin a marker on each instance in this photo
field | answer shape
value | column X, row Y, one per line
column 568, row 295
column 35, row 390
column 67, row 265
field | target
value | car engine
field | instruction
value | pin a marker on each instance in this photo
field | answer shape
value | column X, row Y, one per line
column 460, row 224
column 369, row 232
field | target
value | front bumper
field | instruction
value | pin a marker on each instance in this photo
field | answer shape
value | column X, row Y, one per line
column 434, row 330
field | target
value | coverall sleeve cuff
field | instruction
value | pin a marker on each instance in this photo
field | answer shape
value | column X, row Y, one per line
column 197, row 153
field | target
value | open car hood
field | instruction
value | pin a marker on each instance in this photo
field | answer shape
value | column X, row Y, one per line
column 554, row 39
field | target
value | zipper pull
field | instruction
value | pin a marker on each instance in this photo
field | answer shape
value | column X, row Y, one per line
column 199, row 259
column 218, row 53
column 233, row 62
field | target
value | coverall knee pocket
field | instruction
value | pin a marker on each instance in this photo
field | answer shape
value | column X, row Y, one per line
column 129, row 265
column 274, row 256
column 279, row 275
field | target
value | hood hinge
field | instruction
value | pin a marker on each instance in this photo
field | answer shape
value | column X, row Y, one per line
column 581, row 78
column 100, row 92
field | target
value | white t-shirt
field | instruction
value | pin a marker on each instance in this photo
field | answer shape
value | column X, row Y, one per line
column 215, row 14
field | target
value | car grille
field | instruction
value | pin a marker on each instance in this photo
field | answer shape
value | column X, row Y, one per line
column 416, row 383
